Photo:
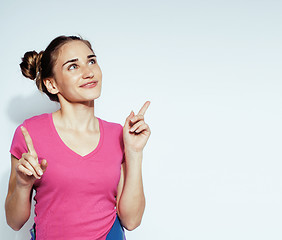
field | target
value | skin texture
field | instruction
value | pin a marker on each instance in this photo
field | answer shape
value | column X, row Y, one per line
column 78, row 127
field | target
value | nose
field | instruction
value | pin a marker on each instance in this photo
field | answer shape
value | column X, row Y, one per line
column 87, row 72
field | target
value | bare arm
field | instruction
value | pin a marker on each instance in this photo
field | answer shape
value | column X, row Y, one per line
column 18, row 201
column 24, row 172
column 131, row 199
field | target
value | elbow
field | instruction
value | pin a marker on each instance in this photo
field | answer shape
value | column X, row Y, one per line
column 131, row 225
column 15, row 216
column 14, row 223
column 131, row 217
column 14, row 226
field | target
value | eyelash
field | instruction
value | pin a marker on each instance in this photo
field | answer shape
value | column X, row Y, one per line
column 70, row 67
column 75, row 65
column 94, row 61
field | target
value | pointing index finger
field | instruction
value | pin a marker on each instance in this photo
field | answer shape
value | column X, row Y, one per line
column 28, row 141
column 144, row 108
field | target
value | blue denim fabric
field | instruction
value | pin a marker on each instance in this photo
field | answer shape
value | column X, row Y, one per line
column 32, row 232
column 116, row 232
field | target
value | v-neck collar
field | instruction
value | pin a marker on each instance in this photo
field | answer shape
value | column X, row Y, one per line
column 57, row 136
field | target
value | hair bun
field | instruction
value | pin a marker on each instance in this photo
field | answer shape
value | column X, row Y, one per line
column 30, row 64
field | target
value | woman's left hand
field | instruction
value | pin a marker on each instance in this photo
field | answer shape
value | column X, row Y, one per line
column 135, row 131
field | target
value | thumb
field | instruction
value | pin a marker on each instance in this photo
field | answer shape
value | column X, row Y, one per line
column 131, row 115
column 43, row 165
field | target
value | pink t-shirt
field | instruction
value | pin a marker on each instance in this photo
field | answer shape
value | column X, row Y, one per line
column 75, row 198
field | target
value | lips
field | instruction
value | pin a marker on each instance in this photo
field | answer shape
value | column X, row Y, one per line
column 89, row 84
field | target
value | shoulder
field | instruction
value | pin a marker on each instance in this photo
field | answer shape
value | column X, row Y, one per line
column 36, row 120
column 38, row 124
column 34, row 128
column 110, row 125
column 111, row 128
column 112, row 132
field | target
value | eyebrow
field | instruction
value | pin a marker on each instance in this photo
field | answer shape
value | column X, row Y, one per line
column 76, row 59
column 69, row 61
column 91, row 56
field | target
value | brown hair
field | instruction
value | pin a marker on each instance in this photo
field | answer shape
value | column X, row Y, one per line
column 39, row 66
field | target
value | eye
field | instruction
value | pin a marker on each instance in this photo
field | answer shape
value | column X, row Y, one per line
column 73, row 66
column 92, row 61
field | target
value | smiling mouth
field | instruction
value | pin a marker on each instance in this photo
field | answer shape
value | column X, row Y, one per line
column 90, row 84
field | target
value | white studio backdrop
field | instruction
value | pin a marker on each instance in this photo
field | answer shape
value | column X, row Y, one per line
column 212, row 71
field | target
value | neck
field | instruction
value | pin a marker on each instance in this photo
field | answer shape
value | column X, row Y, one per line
column 77, row 116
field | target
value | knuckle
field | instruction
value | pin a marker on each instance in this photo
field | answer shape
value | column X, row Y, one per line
column 140, row 116
column 21, row 161
column 25, row 164
column 20, row 168
column 35, row 155
column 30, row 158
column 26, row 157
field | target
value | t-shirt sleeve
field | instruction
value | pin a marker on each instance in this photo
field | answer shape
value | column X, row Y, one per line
column 121, row 142
column 18, row 146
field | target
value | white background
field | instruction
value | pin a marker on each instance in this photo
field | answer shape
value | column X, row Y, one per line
column 212, row 70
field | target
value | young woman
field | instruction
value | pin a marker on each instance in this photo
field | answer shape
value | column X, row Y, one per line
column 86, row 171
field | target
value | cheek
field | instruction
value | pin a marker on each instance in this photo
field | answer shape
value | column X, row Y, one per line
column 98, row 72
column 66, row 83
column 100, row 76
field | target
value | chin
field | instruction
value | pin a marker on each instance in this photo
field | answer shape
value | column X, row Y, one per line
column 93, row 97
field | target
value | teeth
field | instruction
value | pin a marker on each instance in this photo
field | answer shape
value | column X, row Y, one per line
column 89, row 84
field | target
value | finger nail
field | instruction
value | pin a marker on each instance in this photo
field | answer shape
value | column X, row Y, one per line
column 40, row 172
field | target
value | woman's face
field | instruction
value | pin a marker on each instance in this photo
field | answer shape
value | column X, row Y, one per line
column 78, row 77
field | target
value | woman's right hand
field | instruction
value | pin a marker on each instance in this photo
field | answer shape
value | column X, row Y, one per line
column 28, row 168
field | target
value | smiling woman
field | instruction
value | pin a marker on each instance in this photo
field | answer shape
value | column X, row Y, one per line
column 87, row 172
column 74, row 71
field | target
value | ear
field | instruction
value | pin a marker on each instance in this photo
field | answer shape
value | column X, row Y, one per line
column 51, row 85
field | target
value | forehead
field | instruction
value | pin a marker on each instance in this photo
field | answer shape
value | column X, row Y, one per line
column 73, row 49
